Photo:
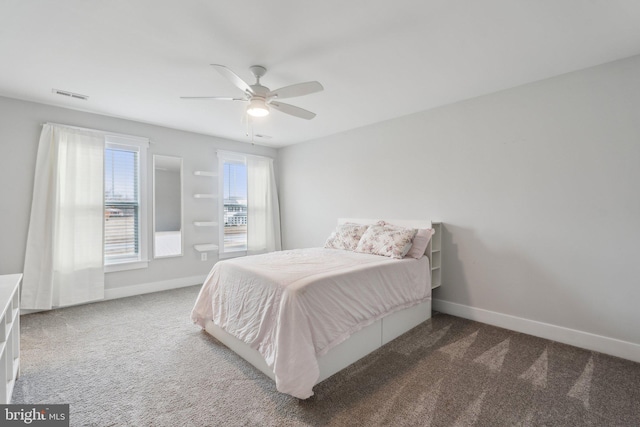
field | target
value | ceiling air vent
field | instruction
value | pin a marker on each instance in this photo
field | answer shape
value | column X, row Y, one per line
column 69, row 94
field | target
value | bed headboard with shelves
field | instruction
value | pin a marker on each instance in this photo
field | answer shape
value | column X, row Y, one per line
column 434, row 250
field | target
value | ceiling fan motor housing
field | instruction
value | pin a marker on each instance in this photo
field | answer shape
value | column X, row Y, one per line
column 258, row 71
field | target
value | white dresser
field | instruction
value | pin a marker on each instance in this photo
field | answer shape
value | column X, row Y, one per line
column 9, row 334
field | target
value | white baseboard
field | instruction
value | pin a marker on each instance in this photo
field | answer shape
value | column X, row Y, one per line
column 147, row 288
column 586, row 340
column 143, row 288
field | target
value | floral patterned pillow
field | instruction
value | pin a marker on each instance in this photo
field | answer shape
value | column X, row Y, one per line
column 387, row 240
column 346, row 236
column 420, row 243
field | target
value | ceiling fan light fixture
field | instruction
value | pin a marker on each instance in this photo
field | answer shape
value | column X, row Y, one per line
column 261, row 99
column 257, row 108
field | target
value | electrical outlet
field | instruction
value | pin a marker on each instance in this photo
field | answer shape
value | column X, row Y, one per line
column 203, row 256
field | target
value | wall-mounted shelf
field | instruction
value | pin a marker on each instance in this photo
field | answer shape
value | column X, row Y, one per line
column 206, row 247
column 205, row 173
column 205, row 223
column 436, row 255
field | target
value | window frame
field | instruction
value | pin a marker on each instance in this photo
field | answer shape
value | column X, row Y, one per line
column 225, row 157
column 140, row 145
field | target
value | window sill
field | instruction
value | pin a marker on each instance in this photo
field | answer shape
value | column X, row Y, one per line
column 123, row 266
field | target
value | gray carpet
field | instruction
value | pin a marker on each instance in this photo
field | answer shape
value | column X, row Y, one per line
column 139, row 362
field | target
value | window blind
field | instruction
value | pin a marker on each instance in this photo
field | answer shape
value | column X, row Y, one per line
column 121, row 203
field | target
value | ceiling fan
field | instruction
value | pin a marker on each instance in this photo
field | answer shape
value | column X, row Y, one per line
column 261, row 98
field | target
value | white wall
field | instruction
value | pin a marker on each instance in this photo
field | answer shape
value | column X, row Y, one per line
column 167, row 200
column 538, row 187
column 20, row 126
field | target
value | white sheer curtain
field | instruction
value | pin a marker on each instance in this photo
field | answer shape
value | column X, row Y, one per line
column 64, row 256
column 263, row 211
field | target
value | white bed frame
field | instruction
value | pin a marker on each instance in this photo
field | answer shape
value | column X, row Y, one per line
column 359, row 344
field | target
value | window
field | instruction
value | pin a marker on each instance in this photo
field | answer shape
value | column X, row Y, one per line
column 248, row 207
column 234, row 204
column 125, row 242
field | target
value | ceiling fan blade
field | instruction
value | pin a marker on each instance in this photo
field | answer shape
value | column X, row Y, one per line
column 293, row 110
column 296, row 90
column 233, row 78
column 219, row 98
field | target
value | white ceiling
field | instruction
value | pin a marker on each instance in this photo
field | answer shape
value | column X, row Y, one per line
column 377, row 59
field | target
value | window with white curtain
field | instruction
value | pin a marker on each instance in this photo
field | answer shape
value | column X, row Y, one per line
column 125, row 243
column 233, row 204
column 78, row 171
column 248, row 205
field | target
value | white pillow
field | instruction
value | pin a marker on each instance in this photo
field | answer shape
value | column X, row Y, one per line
column 386, row 240
column 346, row 236
column 420, row 243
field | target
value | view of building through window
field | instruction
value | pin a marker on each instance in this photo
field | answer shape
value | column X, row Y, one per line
column 235, row 207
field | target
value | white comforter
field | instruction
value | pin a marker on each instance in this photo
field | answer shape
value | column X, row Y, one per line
column 294, row 306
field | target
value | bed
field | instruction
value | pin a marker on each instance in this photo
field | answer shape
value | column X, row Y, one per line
column 300, row 316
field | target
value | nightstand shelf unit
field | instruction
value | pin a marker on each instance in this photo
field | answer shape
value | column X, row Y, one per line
column 435, row 247
column 9, row 334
